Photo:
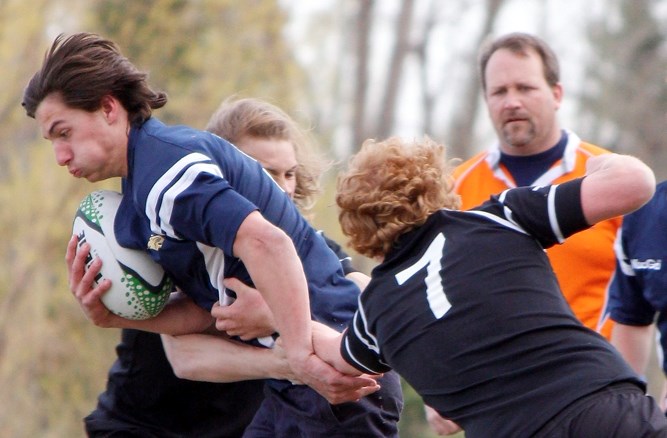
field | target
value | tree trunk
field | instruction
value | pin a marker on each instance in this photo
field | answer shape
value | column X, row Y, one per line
column 461, row 138
column 364, row 23
column 401, row 48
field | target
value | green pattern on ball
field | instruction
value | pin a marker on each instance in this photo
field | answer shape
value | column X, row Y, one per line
column 90, row 207
column 144, row 303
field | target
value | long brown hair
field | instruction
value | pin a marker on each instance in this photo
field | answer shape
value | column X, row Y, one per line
column 82, row 69
column 248, row 117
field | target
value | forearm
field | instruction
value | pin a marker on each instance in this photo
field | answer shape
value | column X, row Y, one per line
column 326, row 342
column 219, row 359
column 276, row 271
column 180, row 316
column 291, row 313
column 634, row 343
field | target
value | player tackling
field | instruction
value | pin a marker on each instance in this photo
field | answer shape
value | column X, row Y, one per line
column 465, row 305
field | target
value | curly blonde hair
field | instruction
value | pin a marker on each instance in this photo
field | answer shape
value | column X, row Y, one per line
column 237, row 118
column 390, row 188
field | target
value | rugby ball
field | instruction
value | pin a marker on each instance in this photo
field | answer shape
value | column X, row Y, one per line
column 140, row 287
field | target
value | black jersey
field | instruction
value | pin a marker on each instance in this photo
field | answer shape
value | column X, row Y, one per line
column 467, row 309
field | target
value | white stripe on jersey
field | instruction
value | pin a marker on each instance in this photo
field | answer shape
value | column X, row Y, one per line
column 214, row 259
column 159, row 220
column 180, row 186
column 357, row 361
column 504, row 222
column 366, row 335
column 164, row 181
column 553, row 219
column 510, row 223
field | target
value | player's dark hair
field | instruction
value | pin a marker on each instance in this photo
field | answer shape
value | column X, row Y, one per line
column 82, row 69
column 521, row 43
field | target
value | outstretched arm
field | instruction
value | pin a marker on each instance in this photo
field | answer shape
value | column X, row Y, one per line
column 615, row 185
column 211, row 358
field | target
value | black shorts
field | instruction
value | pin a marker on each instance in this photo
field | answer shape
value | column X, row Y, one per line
column 620, row 410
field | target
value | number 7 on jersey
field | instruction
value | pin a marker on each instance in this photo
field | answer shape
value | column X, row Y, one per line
column 435, row 293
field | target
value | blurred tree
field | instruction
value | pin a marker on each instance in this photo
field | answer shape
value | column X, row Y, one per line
column 363, row 33
column 624, row 99
column 29, row 341
column 394, row 75
column 461, row 131
column 420, row 48
column 20, row 33
column 201, row 52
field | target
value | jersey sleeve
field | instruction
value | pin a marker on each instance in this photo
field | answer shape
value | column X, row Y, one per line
column 194, row 201
column 359, row 347
column 627, row 304
column 549, row 213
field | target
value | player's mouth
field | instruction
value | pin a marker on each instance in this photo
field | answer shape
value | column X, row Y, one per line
column 515, row 119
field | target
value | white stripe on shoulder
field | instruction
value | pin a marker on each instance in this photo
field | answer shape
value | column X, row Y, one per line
column 185, row 181
column 498, row 219
column 480, row 161
column 507, row 221
column 159, row 220
column 156, row 193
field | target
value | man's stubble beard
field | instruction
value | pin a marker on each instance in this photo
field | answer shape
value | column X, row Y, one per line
column 518, row 138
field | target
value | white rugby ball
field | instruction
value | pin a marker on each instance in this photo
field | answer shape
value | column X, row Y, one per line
column 140, row 287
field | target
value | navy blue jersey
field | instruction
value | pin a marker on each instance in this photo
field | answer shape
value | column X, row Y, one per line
column 467, row 309
column 638, row 289
column 185, row 196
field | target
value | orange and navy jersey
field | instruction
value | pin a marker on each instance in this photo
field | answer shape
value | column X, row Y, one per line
column 585, row 262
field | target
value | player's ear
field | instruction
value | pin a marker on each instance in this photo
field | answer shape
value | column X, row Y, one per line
column 557, row 91
column 110, row 107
